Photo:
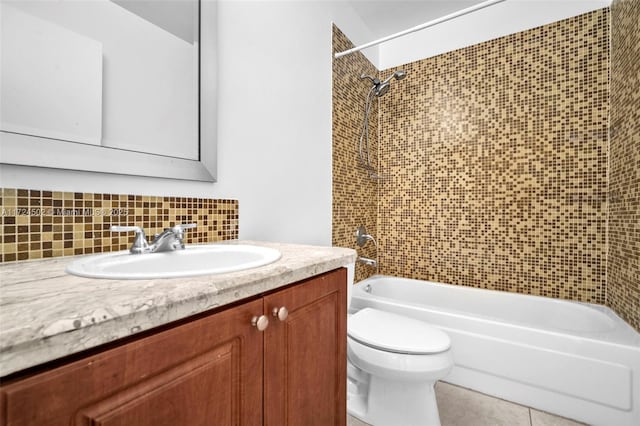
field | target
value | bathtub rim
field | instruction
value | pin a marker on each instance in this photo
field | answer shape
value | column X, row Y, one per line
column 622, row 334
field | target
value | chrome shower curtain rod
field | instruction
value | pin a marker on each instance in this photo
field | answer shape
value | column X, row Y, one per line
column 421, row 26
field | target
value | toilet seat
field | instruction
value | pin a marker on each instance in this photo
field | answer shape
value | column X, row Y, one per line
column 395, row 366
column 389, row 332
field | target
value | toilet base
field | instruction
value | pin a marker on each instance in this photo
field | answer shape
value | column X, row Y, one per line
column 384, row 402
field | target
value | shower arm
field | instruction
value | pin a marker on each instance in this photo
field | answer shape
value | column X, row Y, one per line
column 373, row 80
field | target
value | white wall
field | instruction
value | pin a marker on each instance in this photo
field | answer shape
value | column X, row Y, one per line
column 274, row 123
column 275, row 115
column 495, row 21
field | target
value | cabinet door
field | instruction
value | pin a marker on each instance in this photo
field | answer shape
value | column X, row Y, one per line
column 206, row 372
column 305, row 355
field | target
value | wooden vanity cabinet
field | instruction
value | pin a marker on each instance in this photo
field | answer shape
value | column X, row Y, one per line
column 305, row 359
column 215, row 370
column 204, row 372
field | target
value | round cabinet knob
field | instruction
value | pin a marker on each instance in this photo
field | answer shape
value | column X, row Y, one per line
column 261, row 322
column 280, row 313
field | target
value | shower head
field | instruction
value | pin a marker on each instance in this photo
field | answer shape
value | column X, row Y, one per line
column 380, row 88
column 400, row 74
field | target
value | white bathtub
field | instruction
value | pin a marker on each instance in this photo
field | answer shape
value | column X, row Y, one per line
column 573, row 359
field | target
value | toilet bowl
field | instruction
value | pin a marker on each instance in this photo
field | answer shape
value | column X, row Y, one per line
column 393, row 364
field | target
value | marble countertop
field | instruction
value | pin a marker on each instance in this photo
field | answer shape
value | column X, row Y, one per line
column 46, row 314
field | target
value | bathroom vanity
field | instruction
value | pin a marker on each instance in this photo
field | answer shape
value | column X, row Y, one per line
column 261, row 346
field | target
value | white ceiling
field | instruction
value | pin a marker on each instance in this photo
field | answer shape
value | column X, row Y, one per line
column 386, row 17
column 178, row 17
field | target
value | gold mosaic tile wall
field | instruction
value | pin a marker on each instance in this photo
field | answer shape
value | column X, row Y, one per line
column 41, row 224
column 354, row 193
column 495, row 158
column 623, row 285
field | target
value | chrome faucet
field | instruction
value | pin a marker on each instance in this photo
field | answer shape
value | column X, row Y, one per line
column 367, row 261
column 168, row 240
column 362, row 237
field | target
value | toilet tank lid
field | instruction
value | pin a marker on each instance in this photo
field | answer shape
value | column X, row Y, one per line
column 396, row 333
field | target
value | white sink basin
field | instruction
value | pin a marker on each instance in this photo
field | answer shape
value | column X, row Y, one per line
column 192, row 261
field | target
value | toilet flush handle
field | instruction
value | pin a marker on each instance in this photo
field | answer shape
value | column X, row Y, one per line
column 281, row 313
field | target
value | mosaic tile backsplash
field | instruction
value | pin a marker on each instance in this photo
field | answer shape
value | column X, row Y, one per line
column 354, row 193
column 42, row 224
column 495, row 164
column 623, row 285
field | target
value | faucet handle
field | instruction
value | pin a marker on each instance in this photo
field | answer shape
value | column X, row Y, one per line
column 178, row 231
column 140, row 244
column 362, row 236
column 119, row 228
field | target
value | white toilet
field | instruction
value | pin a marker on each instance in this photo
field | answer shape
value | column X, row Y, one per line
column 393, row 364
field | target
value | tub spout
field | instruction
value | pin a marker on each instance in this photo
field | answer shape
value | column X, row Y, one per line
column 367, row 261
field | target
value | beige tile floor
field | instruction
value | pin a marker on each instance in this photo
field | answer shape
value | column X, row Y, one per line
column 463, row 407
